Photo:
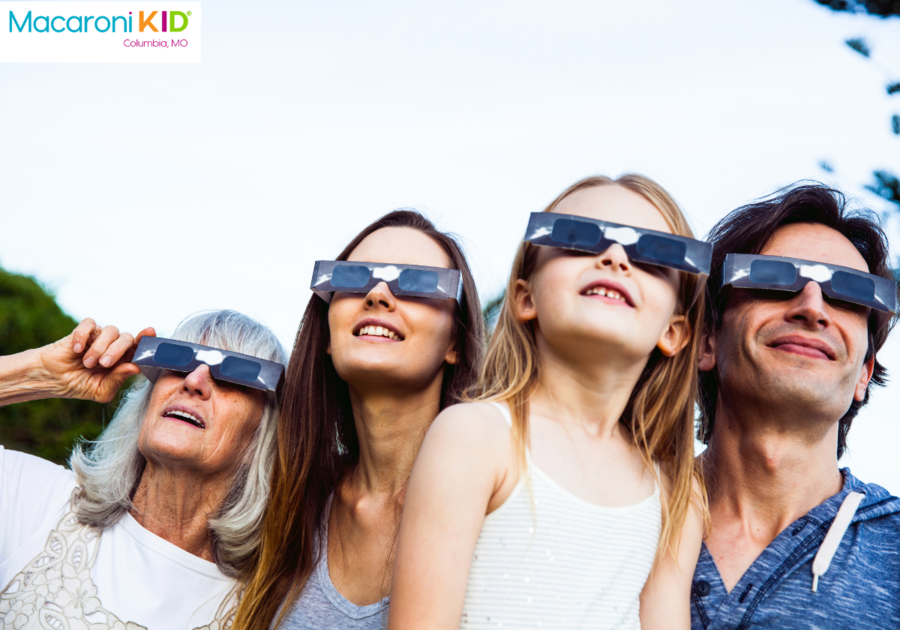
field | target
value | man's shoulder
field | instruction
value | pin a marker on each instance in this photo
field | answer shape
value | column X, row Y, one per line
column 879, row 508
column 860, row 588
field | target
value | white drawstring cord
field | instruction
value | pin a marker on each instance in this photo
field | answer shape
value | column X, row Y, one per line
column 834, row 536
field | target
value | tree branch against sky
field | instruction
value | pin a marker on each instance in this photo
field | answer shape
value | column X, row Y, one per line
column 880, row 8
column 885, row 182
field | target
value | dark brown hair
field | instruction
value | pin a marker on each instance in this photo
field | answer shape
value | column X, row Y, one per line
column 317, row 440
column 748, row 229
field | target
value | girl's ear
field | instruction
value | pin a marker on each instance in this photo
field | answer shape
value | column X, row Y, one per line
column 675, row 336
column 523, row 302
column 452, row 356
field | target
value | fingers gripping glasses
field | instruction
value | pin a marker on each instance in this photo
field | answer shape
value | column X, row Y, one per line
column 748, row 271
column 155, row 354
column 403, row 280
column 641, row 245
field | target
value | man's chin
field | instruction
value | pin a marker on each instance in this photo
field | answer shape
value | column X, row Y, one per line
column 802, row 393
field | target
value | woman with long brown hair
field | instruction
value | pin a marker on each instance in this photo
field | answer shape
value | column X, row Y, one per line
column 567, row 497
column 374, row 362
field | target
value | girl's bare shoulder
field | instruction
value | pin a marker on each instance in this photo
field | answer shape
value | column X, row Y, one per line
column 474, row 422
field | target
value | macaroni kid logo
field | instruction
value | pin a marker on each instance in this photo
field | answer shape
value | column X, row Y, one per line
column 118, row 32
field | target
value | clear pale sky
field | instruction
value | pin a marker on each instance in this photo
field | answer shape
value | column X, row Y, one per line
column 143, row 193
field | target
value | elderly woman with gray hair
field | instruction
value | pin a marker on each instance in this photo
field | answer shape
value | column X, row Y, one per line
column 155, row 519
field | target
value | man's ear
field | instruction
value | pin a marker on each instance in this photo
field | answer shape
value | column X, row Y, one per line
column 675, row 337
column 707, row 358
column 865, row 375
column 523, row 302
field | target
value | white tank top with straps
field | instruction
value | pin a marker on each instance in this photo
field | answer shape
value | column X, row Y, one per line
column 560, row 562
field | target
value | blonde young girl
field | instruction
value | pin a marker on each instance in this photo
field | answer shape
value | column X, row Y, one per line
column 567, row 497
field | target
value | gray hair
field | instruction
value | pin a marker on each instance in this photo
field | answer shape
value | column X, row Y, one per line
column 109, row 471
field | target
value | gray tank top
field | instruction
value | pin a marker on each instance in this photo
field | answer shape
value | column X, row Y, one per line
column 321, row 607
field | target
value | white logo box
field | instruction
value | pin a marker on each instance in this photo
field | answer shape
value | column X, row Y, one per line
column 99, row 32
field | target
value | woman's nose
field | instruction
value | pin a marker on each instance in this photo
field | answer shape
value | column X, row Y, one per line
column 381, row 295
column 199, row 382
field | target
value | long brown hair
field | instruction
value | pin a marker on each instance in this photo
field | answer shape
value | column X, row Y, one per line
column 659, row 415
column 317, row 440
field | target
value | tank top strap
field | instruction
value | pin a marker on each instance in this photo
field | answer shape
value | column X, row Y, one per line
column 503, row 408
column 658, row 480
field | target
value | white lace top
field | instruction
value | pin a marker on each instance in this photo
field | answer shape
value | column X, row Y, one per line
column 561, row 562
column 57, row 574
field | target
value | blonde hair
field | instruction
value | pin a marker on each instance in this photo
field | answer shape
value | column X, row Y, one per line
column 659, row 415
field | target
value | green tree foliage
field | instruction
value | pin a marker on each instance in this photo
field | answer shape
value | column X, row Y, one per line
column 885, row 183
column 30, row 318
column 859, row 45
column 881, row 8
column 887, row 186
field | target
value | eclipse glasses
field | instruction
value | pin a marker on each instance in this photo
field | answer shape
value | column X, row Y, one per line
column 403, row 280
column 549, row 229
column 748, row 271
column 642, row 246
column 155, row 354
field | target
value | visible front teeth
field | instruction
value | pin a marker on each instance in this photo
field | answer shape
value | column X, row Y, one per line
column 378, row 331
column 183, row 414
column 606, row 293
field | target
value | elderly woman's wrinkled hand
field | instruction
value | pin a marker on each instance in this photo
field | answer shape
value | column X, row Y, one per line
column 92, row 362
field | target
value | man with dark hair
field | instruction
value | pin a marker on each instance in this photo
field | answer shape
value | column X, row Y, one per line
column 801, row 295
